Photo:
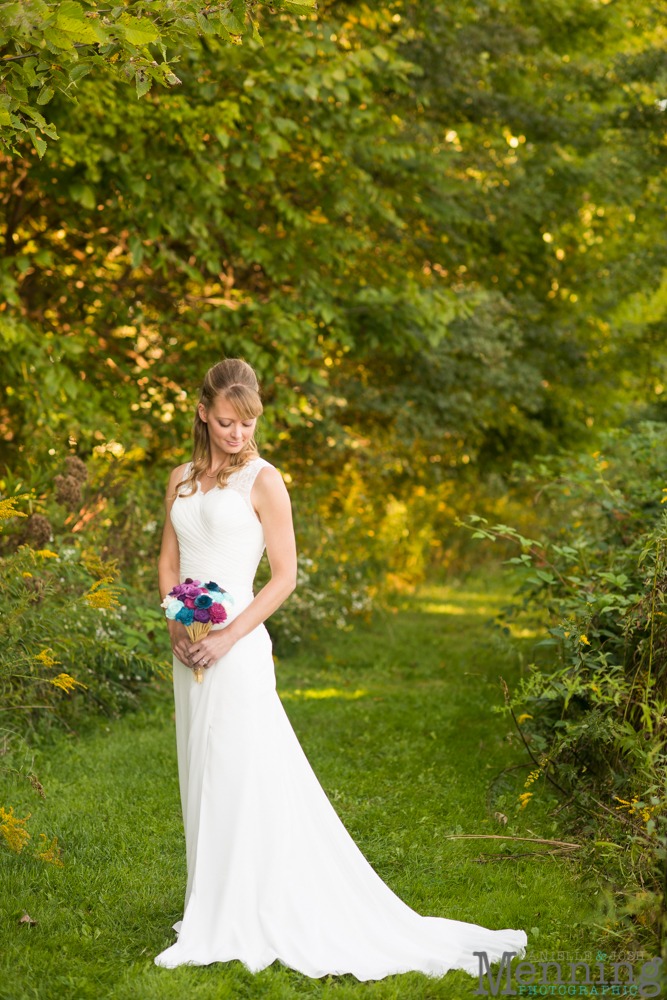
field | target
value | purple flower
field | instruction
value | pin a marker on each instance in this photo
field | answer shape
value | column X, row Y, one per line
column 201, row 615
column 186, row 616
column 190, row 591
column 188, row 579
column 203, row 601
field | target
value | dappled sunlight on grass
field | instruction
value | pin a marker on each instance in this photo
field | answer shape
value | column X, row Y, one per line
column 323, row 693
column 453, row 609
column 483, row 597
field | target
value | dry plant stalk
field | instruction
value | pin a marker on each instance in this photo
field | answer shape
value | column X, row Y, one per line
column 198, row 630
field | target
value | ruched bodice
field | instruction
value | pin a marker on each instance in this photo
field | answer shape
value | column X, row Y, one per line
column 219, row 535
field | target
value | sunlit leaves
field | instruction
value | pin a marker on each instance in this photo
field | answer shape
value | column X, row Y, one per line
column 45, row 45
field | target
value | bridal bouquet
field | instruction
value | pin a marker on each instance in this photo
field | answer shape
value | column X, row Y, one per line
column 197, row 606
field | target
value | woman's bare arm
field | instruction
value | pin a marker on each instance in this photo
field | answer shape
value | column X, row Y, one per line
column 168, row 570
column 272, row 503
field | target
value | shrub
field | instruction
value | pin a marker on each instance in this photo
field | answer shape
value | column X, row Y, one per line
column 592, row 712
column 64, row 648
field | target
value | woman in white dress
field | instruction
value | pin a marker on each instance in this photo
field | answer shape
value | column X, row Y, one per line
column 272, row 872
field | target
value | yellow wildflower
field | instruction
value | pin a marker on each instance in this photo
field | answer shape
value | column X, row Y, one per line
column 584, row 639
column 7, row 507
column 51, row 852
column 47, row 554
column 524, row 799
column 13, row 829
column 664, row 499
column 533, row 776
column 66, row 682
column 96, row 567
column 46, row 659
column 100, row 597
column 24, row 575
column 523, row 717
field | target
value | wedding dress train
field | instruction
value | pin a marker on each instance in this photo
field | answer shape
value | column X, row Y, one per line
column 272, row 871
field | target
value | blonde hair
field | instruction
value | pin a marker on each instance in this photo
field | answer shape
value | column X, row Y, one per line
column 235, row 381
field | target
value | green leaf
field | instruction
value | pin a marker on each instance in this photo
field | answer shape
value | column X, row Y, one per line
column 140, row 30
column 58, row 39
column 143, row 81
column 255, row 33
column 19, row 93
column 45, row 95
column 208, row 27
column 79, row 71
column 83, row 194
column 39, row 144
column 137, row 250
column 231, row 22
column 71, row 19
column 305, row 7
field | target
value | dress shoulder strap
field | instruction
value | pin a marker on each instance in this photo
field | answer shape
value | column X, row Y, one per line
column 243, row 480
column 184, row 475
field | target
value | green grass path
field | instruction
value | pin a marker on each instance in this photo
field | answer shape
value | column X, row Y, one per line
column 397, row 721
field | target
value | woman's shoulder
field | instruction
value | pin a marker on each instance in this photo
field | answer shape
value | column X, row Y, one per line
column 260, row 463
column 180, row 473
column 248, row 476
column 271, row 478
column 182, row 470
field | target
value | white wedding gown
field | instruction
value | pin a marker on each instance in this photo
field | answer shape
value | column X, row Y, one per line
column 272, row 871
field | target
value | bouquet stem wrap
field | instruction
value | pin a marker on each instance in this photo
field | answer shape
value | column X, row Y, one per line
column 197, row 631
column 197, row 606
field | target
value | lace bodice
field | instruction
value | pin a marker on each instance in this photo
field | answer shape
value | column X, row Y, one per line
column 219, row 535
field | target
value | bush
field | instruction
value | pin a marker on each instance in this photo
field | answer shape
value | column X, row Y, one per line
column 593, row 712
column 67, row 646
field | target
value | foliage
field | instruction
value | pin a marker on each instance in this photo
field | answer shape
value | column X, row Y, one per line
column 53, row 47
column 329, row 596
column 16, row 836
column 63, row 650
column 426, row 296
column 593, row 715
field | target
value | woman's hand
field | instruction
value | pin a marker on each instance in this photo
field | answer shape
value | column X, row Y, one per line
column 180, row 642
column 204, row 652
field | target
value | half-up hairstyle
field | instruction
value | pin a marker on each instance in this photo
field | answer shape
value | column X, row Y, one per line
column 235, row 381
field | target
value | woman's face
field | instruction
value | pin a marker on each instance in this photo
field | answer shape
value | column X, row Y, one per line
column 227, row 431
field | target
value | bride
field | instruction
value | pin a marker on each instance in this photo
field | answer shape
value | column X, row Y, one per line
column 272, row 872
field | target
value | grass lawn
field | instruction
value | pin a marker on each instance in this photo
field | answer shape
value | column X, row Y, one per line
column 397, row 720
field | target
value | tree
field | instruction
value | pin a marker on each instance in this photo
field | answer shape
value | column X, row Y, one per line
column 419, row 276
column 52, row 47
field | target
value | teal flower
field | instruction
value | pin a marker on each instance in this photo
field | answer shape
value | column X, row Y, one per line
column 186, row 616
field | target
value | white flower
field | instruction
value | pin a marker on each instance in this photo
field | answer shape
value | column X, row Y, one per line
column 221, row 597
